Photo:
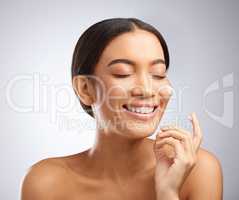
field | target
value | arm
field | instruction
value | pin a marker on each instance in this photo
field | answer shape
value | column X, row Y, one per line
column 204, row 182
column 173, row 170
column 204, row 170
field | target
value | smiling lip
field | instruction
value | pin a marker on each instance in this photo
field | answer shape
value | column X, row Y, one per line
column 142, row 116
column 141, row 104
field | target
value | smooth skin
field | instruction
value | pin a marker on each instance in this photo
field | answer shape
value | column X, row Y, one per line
column 123, row 163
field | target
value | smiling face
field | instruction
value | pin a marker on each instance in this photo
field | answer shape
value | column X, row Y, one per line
column 133, row 74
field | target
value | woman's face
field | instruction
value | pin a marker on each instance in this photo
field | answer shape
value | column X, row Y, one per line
column 132, row 78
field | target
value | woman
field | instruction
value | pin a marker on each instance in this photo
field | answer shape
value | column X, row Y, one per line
column 119, row 73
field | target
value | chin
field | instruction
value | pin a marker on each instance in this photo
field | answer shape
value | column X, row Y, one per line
column 137, row 130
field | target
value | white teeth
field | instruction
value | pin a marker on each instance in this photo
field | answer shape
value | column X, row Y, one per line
column 144, row 110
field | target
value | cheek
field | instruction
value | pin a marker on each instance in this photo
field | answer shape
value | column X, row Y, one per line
column 114, row 95
column 164, row 92
column 115, row 89
column 164, row 89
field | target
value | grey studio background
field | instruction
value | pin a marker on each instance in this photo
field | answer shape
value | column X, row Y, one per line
column 40, row 116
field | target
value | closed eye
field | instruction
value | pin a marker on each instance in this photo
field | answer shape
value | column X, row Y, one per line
column 159, row 77
column 127, row 75
column 121, row 75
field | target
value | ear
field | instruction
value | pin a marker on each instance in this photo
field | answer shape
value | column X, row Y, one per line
column 84, row 89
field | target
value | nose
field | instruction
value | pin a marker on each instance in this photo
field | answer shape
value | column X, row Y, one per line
column 143, row 87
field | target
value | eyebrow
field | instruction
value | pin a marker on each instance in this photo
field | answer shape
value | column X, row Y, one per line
column 130, row 62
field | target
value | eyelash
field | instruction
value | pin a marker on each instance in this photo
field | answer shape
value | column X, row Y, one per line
column 126, row 75
column 159, row 77
column 121, row 75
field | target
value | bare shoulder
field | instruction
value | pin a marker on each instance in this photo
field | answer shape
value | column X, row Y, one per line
column 207, row 160
column 43, row 179
column 206, row 177
column 207, row 164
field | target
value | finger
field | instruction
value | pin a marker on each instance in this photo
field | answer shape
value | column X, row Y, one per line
column 185, row 138
column 174, row 143
column 197, row 134
column 174, row 127
column 184, row 132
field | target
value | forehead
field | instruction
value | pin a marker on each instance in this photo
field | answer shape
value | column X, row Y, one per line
column 140, row 46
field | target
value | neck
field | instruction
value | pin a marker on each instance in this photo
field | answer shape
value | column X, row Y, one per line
column 116, row 157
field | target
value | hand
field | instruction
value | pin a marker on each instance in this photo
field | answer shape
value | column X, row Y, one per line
column 173, row 168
